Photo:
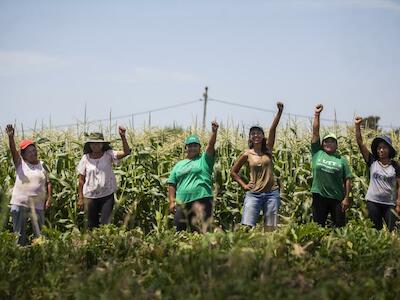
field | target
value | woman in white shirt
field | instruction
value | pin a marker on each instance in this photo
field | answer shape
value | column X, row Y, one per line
column 97, row 182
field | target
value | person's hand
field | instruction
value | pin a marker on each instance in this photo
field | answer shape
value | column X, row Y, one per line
column 10, row 130
column 280, row 106
column 318, row 109
column 358, row 120
column 249, row 186
column 121, row 130
column 80, row 203
column 214, row 126
column 47, row 204
column 397, row 209
column 345, row 204
column 172, row 207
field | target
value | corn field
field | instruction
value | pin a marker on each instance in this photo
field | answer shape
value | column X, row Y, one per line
column 139, row 255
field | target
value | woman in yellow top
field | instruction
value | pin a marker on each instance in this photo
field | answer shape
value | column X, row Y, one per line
column 262, row 189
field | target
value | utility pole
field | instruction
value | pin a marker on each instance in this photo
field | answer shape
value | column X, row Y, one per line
column 205, row 96
column 149, row 119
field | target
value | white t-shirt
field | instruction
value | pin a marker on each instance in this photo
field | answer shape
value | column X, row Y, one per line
column 99, row 176
column 30, row 188
column 383, row 182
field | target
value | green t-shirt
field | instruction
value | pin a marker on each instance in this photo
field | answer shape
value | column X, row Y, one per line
column 329, row 172
column 192, row 178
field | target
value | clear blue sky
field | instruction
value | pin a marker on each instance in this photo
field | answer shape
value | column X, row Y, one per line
column 134, row 56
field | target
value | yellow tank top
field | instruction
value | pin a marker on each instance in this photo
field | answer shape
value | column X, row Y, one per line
column 261, row 172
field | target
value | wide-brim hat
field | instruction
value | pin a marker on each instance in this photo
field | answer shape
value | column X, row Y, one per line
column 95, row 137
column 385, row 139
column 192, row 139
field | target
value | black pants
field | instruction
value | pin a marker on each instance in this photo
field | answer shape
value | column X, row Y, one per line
column 378, row 212
column 99, row 210
column 322, row 206
column 195, row 214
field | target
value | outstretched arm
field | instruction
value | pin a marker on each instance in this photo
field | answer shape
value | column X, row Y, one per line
column 126, row 150
column 315, row 131
column 14, row 152
column 210, row 149
column 363, row 148
column 272, row 130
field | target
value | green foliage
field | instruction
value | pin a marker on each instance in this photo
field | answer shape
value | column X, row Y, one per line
column 294, row 262
column 140, row 256
column 142, row 195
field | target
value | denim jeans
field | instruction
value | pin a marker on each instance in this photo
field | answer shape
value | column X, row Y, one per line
column 20, row 215
column 254, row 202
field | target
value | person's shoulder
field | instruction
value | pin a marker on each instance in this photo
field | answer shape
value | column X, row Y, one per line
column 110, row 152
column 44, row 166
column 340, row 156
column 248, row 152
column 316, row 143
column 316, row 147
column 180, row 162
column 395, row 164
column 85, row 157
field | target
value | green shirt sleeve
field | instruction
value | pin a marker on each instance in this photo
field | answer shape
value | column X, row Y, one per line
column 172, row 177
column 346, row 169
column 315, row 147
column 209, row 159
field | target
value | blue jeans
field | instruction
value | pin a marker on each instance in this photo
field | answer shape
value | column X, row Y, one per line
column 20, row 215
column 254, row 202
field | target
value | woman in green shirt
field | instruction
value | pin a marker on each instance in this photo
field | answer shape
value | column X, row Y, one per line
column 190, row 184
column 331, row 177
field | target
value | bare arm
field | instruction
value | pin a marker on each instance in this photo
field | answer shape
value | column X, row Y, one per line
column 272, row 130
column 49, row 195
column 315, row 131
column 347, row 189
column 363, row 148
column 398, row 196
column 171, row 197
column 210, row 149
column 81, row 182
column 235, row 172
column 126, row 150
column 14, row 152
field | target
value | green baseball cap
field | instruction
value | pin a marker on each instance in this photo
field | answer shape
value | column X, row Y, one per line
column 329, row 135
column 192, row 139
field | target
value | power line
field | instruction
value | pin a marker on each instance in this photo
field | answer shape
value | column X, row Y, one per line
column 285, row 113
column 272, row 111
column 200, row 100
column 132, row 114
